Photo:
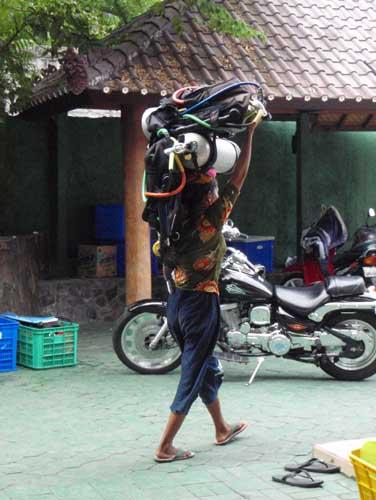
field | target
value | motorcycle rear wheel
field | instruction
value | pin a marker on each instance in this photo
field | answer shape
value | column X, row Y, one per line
column 362, row 366
column 131, row 339
column 293, row 280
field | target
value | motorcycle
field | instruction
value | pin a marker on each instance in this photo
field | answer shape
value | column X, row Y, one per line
column 320, row 243
column 330, row 324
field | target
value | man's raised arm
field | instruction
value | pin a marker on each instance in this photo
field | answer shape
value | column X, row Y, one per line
column 242, row 165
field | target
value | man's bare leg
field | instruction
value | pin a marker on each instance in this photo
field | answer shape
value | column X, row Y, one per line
column 222, row 428
column 166, row 448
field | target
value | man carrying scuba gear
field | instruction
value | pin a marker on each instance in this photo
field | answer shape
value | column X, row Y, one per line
column 193, row 310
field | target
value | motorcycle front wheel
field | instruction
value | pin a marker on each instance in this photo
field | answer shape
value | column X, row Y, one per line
column 359, row 365
column 133, row 335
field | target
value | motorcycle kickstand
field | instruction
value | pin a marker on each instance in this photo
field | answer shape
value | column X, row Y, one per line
column 254, row 373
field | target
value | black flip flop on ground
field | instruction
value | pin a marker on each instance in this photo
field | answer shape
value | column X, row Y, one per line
column 314, row 465
column 299, row 478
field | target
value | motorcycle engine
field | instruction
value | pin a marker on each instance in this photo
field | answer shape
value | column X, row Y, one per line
column 254, row 331
column 236, row 339
column 260, row 315
column 236, row 330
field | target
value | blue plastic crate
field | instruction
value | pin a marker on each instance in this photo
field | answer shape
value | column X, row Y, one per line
column 258, row 249
column 109, row 222
column 8, row 344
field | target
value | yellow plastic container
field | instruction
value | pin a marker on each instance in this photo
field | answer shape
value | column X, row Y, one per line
column 365, row 474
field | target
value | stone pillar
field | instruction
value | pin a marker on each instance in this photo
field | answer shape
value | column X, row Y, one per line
column 137, row 234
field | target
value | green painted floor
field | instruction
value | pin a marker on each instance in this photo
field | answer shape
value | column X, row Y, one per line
column 89, row 432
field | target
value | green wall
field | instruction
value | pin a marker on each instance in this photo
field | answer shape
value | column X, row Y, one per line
column 266, row 206
column 23, row 177
column 91, row 156
column 339, row 168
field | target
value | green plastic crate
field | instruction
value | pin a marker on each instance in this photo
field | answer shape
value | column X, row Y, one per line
column 47, row 347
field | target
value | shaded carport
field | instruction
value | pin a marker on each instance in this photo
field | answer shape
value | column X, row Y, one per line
column 316, row 68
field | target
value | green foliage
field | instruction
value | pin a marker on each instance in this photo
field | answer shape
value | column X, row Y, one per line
column 47, row 27
column 220, row 19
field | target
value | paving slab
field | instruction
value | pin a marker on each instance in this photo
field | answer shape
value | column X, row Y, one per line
column 90, row 431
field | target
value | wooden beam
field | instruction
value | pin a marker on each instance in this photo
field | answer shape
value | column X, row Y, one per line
column 367, row 120
column 280, row 105
column 137, row 233
column 341, row 121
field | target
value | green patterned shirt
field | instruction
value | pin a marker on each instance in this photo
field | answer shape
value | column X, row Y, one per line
column 201, row 249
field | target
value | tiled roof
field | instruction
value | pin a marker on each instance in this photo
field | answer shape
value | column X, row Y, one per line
column 316, row 50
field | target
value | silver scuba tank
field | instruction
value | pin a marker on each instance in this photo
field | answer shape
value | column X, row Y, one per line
column 227, row 152
column 144, row 121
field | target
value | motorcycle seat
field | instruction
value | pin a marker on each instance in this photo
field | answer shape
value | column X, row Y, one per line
column 343, row 286
column 302, row 300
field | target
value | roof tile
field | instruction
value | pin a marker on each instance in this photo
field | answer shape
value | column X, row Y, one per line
column 314, row 48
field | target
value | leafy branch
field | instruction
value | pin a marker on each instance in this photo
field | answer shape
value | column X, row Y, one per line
column 48, row 27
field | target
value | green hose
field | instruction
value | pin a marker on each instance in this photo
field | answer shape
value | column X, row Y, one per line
column 162, row 132
column 197, row 120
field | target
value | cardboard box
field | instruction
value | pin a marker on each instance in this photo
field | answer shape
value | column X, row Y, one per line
column 97, row 261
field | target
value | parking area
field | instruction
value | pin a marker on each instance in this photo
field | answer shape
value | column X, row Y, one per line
column 89, row 432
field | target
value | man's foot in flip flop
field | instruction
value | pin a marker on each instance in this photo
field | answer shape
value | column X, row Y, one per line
column 172, row 455
column 232, row 431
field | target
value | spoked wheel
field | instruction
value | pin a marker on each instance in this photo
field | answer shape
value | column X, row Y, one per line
column 133, row 339
column 293, row 280
column 359, row 361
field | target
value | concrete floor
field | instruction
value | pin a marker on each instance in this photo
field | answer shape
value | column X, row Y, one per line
column 89, row 432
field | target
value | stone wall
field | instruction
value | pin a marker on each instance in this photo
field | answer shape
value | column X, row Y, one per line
column 84, row 300
column 20, row 271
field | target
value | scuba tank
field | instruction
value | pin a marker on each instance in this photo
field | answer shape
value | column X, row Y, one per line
column 200, row 151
